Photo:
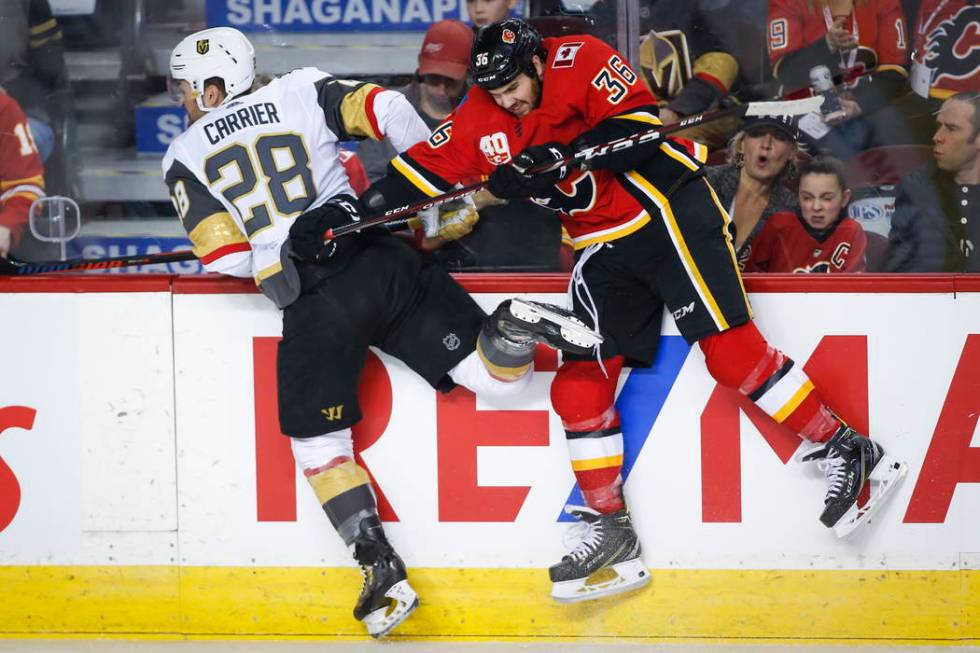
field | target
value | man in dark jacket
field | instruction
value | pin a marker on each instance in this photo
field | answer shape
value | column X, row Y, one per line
column 936, row 224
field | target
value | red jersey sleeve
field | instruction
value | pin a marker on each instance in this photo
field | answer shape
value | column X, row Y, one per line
column 892, row 37
column 786, row 28
column 21, row 172
column 762, row 248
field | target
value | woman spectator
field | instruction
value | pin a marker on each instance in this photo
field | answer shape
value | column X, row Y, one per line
column 820, row 238
column 760, row 158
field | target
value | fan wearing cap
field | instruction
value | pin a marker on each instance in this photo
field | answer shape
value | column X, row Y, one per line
column 817, row 238
column 760, row 157
column 439, row 85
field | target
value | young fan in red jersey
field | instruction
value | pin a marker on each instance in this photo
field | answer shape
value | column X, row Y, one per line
column 649, row 231
column 820, row 238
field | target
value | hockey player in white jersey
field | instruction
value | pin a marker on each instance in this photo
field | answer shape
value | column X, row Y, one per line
column 256, row 181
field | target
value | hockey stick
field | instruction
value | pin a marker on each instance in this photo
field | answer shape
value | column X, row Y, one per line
column 17, row 268
column 774, row 108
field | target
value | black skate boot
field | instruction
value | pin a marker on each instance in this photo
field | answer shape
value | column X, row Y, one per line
column 386, row 598
column 605, row 562
column 850, row 460
column 524, row 322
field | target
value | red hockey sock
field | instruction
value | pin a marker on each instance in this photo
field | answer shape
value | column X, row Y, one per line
column 740, row 358
column 583, row 397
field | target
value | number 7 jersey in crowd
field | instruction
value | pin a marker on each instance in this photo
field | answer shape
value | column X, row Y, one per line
column 585, row 83
column 240, row 175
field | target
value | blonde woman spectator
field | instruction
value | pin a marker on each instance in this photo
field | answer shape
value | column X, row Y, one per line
column 761, row 156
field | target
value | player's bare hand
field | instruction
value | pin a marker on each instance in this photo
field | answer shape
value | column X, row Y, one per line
column 839, row 39
column 6, row 240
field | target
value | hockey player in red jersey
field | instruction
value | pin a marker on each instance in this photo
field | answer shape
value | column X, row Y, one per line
column 821, row 238
column 21, row 173
column 649, row 231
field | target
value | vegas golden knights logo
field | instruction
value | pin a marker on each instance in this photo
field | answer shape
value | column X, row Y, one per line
column 203, row 46
column 333, row 412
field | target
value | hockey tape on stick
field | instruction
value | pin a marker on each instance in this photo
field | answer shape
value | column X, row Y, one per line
column 20, row 268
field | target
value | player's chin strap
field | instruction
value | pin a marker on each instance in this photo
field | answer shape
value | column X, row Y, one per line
column 582, row 158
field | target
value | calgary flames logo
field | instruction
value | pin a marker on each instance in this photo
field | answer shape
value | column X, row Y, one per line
column 953, row 45
column 507, row 36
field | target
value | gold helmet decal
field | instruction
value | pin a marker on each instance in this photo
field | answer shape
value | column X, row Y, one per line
column 203, row 46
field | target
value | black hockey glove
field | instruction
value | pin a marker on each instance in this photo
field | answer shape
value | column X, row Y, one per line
column 307, row 235
column 511, row 181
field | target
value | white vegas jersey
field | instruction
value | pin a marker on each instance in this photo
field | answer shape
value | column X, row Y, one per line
column 241, row 175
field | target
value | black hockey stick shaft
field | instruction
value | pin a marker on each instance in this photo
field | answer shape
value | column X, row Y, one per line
column 17, row 268
column 792, row 107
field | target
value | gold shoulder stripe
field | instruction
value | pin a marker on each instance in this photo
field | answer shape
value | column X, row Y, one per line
column 357, row 112
column 720, row 65
column 215, row 231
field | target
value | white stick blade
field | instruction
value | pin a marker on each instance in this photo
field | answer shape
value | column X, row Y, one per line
column 785, row 108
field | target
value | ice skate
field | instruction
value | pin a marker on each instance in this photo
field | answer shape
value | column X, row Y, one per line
column 386, row 598
column 605, row 561
column 525, row 321
column 850, row 461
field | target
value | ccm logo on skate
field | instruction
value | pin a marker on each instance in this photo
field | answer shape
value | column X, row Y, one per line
column 12, row 417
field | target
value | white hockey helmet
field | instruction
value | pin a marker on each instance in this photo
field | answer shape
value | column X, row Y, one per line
column 221, row 52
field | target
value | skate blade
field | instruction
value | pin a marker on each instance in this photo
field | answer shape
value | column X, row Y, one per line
column 574, row 331
column 382, row 621
column 621, row 577
column 884, row 478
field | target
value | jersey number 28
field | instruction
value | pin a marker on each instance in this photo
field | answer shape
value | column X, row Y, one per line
column 285, row 164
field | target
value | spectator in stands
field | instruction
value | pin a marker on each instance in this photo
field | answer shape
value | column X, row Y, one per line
column 936, row 224
column 841, row 35
column 439, row 85
column 484, row 12
column 760, row 158
column 21, row 173
column 32, row 67
column 818, row 238
column 944, row 62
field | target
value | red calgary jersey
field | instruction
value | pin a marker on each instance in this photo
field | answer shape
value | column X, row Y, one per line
column 881, row 31
column 21, row 173
column 787, row 244
column 584, row 83
column 947, row 42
